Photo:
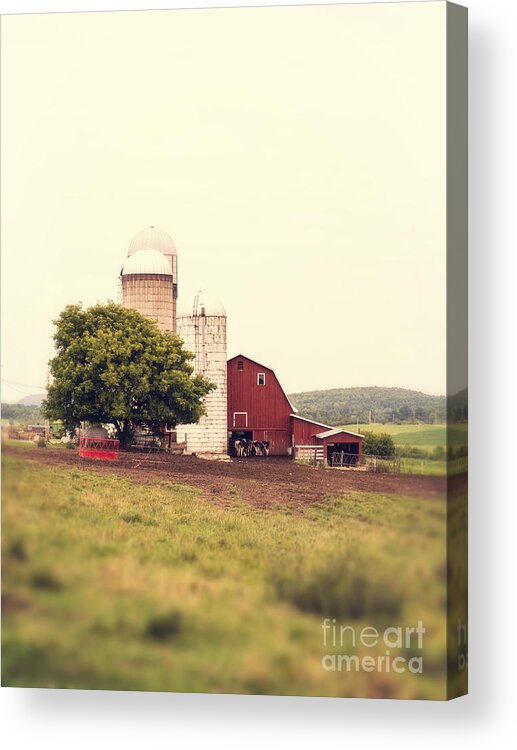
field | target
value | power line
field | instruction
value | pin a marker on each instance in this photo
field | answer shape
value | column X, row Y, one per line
column 22, row 393
column 25, row 385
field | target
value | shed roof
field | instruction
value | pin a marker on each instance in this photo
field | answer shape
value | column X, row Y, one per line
column 337, row 431
column 311, row 421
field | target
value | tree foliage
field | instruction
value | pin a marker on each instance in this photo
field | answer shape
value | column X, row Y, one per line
column 114, row 366
column 339, row 406
column 378, row 444
column 22, row 413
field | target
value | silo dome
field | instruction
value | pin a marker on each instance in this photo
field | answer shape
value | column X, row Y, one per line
column 202, row 303
column 154, row 238
column 147, row 260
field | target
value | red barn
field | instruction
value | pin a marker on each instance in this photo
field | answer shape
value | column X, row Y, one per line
column 258, row 409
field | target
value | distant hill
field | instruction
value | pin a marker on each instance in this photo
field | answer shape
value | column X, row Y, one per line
column 36, row 399
column 346, row 405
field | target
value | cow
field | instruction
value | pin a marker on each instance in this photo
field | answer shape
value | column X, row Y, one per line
column 245, row 448
column 240, row 448
column 261, row 448
column 258, row 447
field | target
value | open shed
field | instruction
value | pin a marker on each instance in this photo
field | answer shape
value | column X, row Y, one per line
column 348, row 446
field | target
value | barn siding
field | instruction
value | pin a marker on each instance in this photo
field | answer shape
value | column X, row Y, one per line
column 279, row 440
column 266, row 405
column 305, row 432
column 268, row 411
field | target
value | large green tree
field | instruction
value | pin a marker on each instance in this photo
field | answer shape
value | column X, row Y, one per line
column 113, row 365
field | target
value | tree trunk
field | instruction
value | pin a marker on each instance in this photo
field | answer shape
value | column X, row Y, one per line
column 125, row 439
column 123, row 429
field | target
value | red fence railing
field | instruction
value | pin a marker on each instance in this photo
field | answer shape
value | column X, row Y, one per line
column 99, row 448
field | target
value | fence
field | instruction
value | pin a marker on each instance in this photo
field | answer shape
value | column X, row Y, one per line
column 157, row 442
column 309, row 454
column 148, row 441
column 315, row 456
column 102, row 449
column 375, row 464
column 381, row 464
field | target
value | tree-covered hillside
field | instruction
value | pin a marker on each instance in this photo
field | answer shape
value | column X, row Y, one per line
column 346, row 405
column 22, row 413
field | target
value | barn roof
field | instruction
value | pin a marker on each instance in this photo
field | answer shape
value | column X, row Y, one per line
column 261, row 364
column 311, row 421
column 337, row 431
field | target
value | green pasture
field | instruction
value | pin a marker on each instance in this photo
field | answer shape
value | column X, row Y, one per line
column 29, row 444
column 116, row 585
column 418, row 435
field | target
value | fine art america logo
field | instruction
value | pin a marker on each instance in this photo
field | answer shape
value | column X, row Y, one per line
column 409, row 640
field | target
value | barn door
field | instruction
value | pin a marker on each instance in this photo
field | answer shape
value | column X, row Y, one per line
column 240, row 419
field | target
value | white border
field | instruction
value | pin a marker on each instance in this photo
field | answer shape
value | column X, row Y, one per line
column 80, row 719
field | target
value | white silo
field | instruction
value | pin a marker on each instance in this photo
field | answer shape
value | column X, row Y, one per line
column 158, row 239
column 147, row 286
column 202, row 326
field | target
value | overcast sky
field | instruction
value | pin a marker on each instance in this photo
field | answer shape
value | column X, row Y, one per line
column 296, row 155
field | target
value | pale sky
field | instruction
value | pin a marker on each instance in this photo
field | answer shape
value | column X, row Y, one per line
column 296, row 155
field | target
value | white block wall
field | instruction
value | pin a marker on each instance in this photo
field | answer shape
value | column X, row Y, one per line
column 205, row 336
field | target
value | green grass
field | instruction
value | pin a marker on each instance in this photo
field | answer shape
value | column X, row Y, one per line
column 109, row 584
column 19, row 443
column 424, row 437
column 419, row 435
column 423, row 466
column 29, row 444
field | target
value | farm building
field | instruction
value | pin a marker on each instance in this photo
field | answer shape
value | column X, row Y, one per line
column 149, row 284
column 202, row 326
column 259, row 410
column 249, row 403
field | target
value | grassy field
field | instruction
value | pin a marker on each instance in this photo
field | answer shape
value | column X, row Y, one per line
column 31, row 444
column 116, row 585
column 418, row 435
column 426, row 438
column 423, row 466
column 23, row 444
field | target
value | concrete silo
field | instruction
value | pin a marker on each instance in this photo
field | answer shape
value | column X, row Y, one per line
column 202, row 326
column 147, row 286
column 158, row 239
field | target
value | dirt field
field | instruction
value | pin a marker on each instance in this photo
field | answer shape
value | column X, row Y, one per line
column 262, row 482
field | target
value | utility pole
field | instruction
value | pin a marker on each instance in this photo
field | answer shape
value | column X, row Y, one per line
column 47, row 420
